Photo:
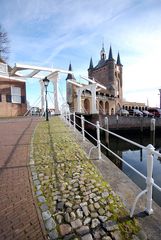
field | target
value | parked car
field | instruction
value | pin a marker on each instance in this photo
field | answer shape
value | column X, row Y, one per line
column 147, row 114
column 35, row 111
column 155, row 111
column 122, row 112
column 135, row 112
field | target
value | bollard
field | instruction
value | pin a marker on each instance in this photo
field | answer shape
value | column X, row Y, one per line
column 149, row 179
column 98, row 140
column 82, row 123
column 152, row 130
column 117, row 121
column 106, row 133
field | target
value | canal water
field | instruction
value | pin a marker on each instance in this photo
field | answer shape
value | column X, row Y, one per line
column 135, row 157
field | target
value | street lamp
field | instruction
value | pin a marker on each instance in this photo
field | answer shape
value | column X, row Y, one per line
column 46, row 83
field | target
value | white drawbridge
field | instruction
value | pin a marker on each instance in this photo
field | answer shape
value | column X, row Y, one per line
column 39, row 73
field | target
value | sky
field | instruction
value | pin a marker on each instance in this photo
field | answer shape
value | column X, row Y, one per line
column 53, row 33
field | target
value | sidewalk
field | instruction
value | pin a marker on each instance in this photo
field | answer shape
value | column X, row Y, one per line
column 18, row 214
column 75, row 201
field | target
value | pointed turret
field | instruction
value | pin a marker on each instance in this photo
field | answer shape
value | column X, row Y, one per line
column 118, row 60
column 103, row 53
column 91, row 64
column 110, row 56
column 70, row 75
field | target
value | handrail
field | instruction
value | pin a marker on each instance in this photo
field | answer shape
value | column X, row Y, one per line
column 150, row 152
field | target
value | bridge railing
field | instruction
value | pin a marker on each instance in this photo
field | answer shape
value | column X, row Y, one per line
column 71, row 120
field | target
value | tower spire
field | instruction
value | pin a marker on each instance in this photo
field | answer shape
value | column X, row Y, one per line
column 70, row 75
column 110, row 56
column 118, row 60
column 91, row 64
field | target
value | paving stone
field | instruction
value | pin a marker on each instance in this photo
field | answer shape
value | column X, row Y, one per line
column 116, row 235
column 96, row 205
column 106, row 238
column 44, row 207
column 59, row 218
column 110, row 225
column 68, row 204
column 79, row 213
column 65, row 229
column 87, row 221
column 76, row 224
column 91, row 207
column 105, row 194
column 87, row 237
column 67, row 217
column 41, row 199
column 38, row 193
column 50, row 224
column 53, row 234
column 60, row 206
column 101, row 211
column 95, row 223
column 73, row 216
column 85, row 210
column 83, row 230
column 102, row 218
column 46, row 215
column 94, row 214
column 36, row 182
column 70, row 236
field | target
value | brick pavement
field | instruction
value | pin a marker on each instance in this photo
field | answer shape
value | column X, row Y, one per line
column 19, row 218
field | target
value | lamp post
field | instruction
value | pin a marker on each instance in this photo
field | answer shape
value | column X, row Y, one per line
column 46, row 83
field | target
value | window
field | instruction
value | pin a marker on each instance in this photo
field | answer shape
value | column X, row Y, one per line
column 23, row 99
column 8, row 98
column 16, row 94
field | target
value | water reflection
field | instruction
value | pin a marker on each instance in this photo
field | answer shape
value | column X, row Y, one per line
column 137, row 158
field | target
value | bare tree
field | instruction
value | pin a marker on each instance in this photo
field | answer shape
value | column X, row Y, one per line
column 4, row 44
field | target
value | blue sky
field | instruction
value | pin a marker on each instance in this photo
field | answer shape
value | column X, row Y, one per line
column 54, row 32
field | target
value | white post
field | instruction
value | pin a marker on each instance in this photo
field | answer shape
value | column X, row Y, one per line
column 149, row 179
column 42, row 95
column 82, row 123
column 106, row 133
column 98, row 140
column 152, row 125
column 93, row 90
column 55, row 83
column 74, row 120
column 79, row 92
column 69, row 120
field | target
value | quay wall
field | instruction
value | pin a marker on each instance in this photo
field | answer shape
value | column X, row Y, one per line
column 122, row 122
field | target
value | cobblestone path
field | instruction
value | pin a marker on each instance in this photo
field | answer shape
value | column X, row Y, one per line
column 18, row 215
column 75, row 201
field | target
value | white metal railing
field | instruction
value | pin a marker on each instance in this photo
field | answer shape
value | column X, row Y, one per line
column 149, row 149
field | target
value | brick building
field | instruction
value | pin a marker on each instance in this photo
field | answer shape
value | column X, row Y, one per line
column 107, row 72
column 12, row 93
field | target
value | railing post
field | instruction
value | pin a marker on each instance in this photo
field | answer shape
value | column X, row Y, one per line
column 69, row 120
column 149, row 179
column 74, row 120
column 66, row 117
column 106, row 133
column 98, row 140
column 82, row 123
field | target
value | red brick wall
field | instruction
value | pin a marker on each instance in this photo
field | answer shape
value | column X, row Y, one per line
column 8, row 109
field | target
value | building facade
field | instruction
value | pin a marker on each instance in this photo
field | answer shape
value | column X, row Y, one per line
column 12, row 93
column 109, row 73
